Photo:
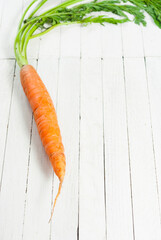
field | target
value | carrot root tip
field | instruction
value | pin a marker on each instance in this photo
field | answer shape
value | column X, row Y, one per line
column 60, row 186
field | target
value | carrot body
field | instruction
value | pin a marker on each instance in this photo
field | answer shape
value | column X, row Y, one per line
column 46, row 120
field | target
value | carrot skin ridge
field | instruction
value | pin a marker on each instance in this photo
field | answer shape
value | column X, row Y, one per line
column 46, row 121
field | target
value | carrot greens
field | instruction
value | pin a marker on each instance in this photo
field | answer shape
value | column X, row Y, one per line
column 80, row 12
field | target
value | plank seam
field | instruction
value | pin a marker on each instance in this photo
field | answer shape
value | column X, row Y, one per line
column 143, row 41
column 128, row 140
column 152, row 136
column 81, row 57
column 104, row 153
column 80, row 80
column 79, row 147
column 27, row 177
column 129, row 156
column 151, row 126
column 122, row 43
column 8, row 121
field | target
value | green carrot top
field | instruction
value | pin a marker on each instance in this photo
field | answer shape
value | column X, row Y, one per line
column 76, row 11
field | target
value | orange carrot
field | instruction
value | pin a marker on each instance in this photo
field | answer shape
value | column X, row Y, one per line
column 46, row 121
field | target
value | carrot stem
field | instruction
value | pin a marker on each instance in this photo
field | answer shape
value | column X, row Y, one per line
column 24, row 14
column 31, row 31
column 37, row 8
column 49, row 29
column 62, row 5
column 24, row 36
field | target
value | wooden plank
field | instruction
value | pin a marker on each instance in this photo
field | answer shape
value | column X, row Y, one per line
column 111, row 41
column 132, row 40
column 151, row 38
column 7, row 67
column 154, row 86
column 12, row 196
column 65, row 219
column 38, row 200
column 50, row 43
column 144, row 190
column 11, row 9
column 33, row 49
column 1, row 11
column 91, row 45
column 70, row 41
column 92, row 202
column 118, row 192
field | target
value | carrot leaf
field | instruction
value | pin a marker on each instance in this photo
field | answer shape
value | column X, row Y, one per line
column 80, row 12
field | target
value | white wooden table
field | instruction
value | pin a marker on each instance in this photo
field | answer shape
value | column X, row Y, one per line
column 106, row 86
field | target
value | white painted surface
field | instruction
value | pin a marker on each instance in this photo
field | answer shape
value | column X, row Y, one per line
column 93, row 46
column 151, row 38
column 8, row 27
column 146, row 213
column 50, row 43
column 6, row 84
column 118, row 199
column 132, row 40
column 154, row 87
column 108, row 104
column 111, row 36
column 14, row 174
column 92, row 200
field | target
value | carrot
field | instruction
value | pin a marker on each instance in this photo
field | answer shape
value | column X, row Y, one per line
column 38, row 25
column 46, row 120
